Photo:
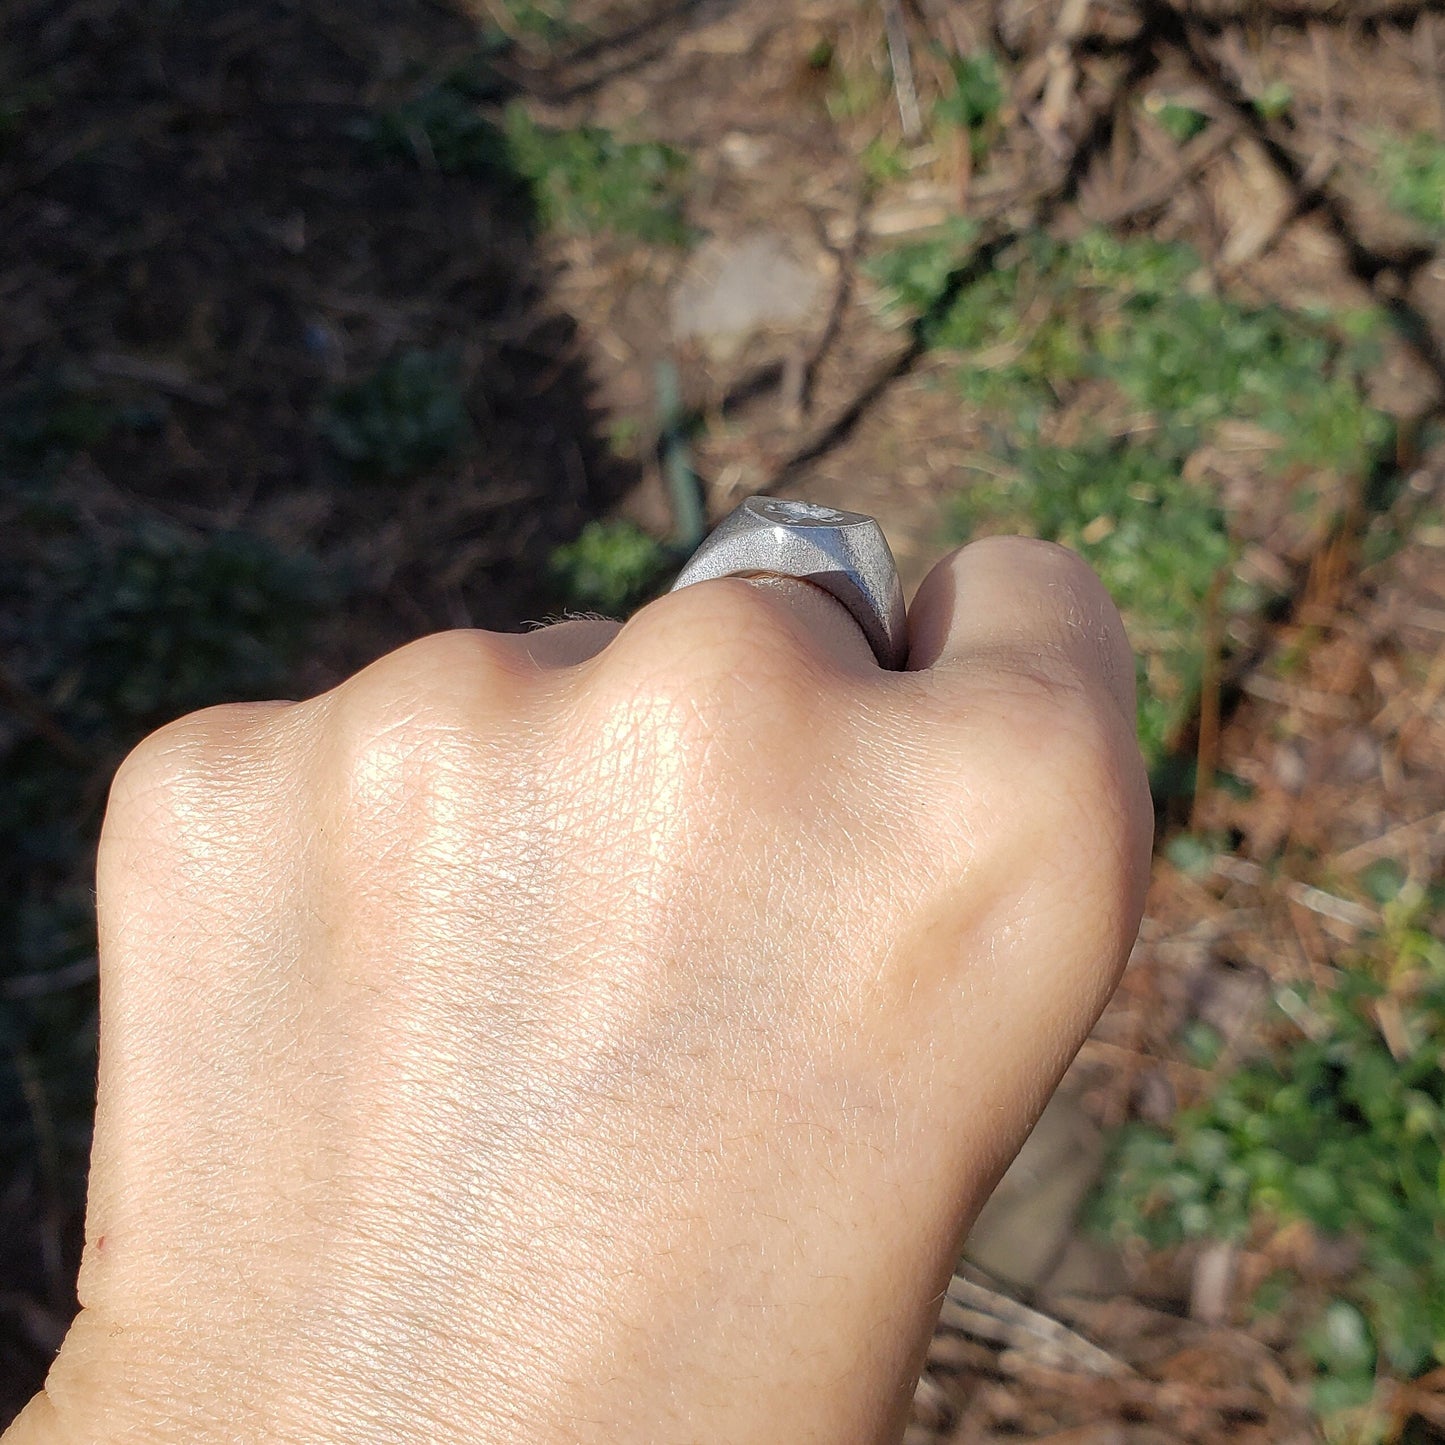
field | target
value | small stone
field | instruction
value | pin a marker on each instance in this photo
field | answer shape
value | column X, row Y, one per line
column 745, row 152
column 734, row 288
column 1026, row 1228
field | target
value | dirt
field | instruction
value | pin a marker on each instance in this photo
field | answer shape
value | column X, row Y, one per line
column 189, row 216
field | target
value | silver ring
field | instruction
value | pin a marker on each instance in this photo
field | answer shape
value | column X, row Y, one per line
column 844, row 553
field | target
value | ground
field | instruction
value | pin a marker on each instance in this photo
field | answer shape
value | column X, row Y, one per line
column 324, row 326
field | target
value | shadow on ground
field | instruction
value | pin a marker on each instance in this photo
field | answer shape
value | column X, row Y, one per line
column 279, row 389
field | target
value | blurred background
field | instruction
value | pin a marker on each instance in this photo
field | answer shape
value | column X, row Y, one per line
column 324, row 325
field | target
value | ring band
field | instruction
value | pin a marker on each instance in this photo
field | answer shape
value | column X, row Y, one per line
column 844, row 553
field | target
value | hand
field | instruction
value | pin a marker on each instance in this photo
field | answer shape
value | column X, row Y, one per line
column 597, row 1034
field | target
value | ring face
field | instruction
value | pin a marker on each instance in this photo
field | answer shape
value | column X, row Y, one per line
column 844, row 553
column 787, row 512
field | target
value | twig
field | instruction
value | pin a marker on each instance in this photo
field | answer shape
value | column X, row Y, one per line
column 163, row 375
column 1192, row 159
column 1386, row 843
column 1316, row 900
column 1030, row 210
column 986, row 1314
column 846, row 257
column 900, row 60
column 1210, row 698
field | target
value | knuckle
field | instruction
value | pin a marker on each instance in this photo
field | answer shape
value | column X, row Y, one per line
column 717, row 642
column 421, row 712
column 703, row 686
column 463, row 662
column 194, row 754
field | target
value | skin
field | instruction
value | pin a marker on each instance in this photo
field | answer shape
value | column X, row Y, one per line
column 596, row 1034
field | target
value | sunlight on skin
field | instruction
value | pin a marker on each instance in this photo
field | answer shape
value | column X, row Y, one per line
column 612, row 1049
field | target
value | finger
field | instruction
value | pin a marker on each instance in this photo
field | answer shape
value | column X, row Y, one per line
column 828, row 624
column 565, row 644
column 743, row 618
column 1017, row 605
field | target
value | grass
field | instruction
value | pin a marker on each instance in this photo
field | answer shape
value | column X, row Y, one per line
column 1338, row 1124
column 973, row 100
column 544, row 23
column 585, row 180
column 1181, row 122
column 1412, row 171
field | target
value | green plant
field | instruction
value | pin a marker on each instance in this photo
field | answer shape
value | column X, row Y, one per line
column 1182, row 122
column 624, row 436
column 546, row 22
column 609, row 567
column 50, row 420
column 1413, row 171
column 913, row 278
column 1042, row 303
column 587, row 180
column 446, row 125
column 1274, row 101
column 1052, row 313
column 1196, row 360
column 883, row 161
column 1048, row 316
column 408, row 415
column 1341, row 1125
column 975, row 99
column 150, row 622
column 17, row 103
column 854, row 92
column 443, row 128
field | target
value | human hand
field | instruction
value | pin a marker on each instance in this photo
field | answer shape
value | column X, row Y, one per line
column 595, row 1034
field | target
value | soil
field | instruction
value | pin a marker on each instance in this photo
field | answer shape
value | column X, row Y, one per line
column 188, row 216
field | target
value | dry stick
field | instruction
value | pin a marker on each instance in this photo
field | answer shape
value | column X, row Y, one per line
column 847, row 259
column 983, row 1313
column 1210, row 696
column 900, row 60
column 1386, row 843
column 1192, row 159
